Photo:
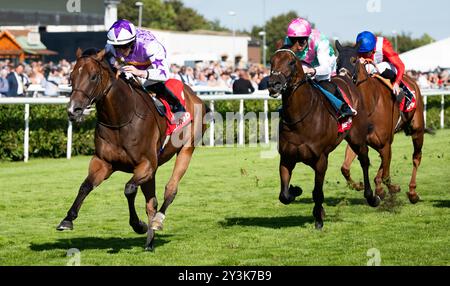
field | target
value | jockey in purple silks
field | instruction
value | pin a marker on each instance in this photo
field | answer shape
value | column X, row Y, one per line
column 138, row 52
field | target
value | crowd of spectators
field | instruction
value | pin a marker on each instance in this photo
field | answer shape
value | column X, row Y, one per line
column 245, row 79
column 438, row 79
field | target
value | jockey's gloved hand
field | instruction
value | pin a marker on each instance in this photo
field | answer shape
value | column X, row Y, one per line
column 396, row 89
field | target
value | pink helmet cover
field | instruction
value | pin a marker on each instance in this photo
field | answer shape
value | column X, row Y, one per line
column 299, row 27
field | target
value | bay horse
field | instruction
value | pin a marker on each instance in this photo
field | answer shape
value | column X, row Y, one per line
column 384, row 113
column 129, row 137
column 308, row 130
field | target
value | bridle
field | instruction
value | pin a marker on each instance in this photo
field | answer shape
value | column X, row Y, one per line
column 345, row 72
column 290, row 77
column 294, row 87
column 93, row 98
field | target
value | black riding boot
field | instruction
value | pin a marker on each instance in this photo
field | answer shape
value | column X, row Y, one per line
column 175, row 104
column 345, row 109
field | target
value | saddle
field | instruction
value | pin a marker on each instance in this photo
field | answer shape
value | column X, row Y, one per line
column 408, row 102
column 175, row 87
column 336, row 95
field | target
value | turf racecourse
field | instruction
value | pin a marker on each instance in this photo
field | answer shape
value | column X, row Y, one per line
column 227, row 213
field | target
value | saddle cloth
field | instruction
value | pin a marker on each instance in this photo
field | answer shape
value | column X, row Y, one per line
column 176, row 88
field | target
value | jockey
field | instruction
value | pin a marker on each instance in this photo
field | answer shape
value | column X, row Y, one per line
column 387, row 61
column 138, row 52
column 314, row 48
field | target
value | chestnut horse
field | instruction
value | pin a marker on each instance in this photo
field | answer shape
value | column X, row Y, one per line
column 384, row 113
column 129, row 137
column 309, row 131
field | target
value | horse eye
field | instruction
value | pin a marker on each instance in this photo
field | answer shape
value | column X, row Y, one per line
column 292, row 63
column 94, row 77
column 353, row 60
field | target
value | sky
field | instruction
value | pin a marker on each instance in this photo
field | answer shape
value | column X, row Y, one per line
column 337, row 19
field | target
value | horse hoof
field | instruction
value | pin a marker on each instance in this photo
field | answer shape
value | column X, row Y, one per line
column 414, row 198
column 157, row 221
column 140, row 228
column 65, row 225
column 319, row 225
column 393, row 189
column 375, row 201
column 357, row 186
column 380, row 193
column 157, row 226
column 286, row 200
column 295, row 191
column 150, row 247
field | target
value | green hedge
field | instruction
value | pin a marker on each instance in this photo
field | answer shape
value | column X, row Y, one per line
column 48, row 132
column 48, row 127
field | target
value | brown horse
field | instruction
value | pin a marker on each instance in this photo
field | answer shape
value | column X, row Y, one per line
column 308, row 129
column 129, row 137
column 385, row 115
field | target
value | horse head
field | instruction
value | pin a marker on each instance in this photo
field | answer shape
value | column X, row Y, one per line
column 286, row 72
column 90, row 80
column 347, row 61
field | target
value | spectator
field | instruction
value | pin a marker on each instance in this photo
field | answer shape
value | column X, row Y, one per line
column 53, row 81
column 224, row 81
column 184, row 76
column 264, row 83
column 202, row 80
column 16, row 82
column 4, row 86
column 243, row 84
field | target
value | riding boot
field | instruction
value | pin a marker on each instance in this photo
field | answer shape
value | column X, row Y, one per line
column 345, row 109
column 161, row 89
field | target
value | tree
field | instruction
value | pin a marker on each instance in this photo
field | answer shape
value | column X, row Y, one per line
column 275, row 30
column 155, row 14
column 167, row 15
column 405, row 42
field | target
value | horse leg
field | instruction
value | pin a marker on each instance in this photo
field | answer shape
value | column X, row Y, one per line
column 363, row 157
column 417, row 138
column 320, row 169
column 386, row 157
column 148, row 189
column 288, row 192
column 379, row 181
column 181, row 165
column 143, row 172
column 345, row 170
column 99, row 171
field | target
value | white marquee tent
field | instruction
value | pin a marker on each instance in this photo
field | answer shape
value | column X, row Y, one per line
column 429, row 57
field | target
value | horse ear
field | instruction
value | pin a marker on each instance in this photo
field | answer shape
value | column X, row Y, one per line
column 79, row 53
column 279, row 44
column 338, row 46
column 100, row 55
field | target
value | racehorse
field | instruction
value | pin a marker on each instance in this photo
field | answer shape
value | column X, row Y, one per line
column 129, row 137
column 384, row 113
column 308, row 130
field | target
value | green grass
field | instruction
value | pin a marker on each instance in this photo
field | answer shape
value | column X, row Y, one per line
column 227, row 213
